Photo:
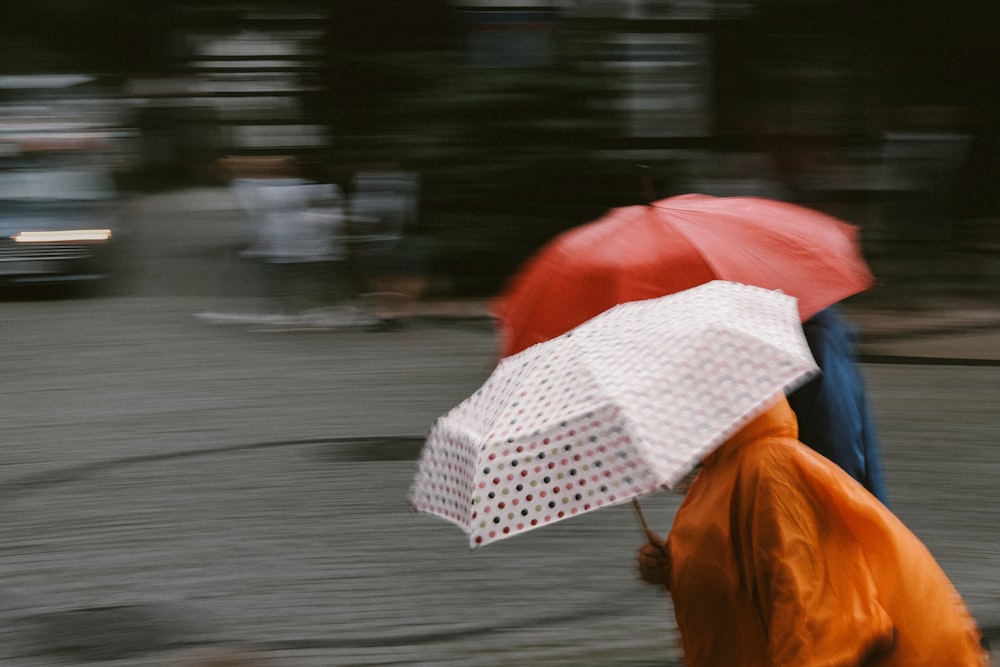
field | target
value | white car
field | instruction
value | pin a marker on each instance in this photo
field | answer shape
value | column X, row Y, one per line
column 57, row 223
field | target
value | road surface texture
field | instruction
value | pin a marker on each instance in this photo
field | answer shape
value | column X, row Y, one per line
column 170, row 487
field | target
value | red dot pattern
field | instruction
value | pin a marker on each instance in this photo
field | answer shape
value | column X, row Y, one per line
column 621, row 406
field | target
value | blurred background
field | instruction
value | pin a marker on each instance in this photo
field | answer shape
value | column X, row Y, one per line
column 503, row 122
column 167, row 486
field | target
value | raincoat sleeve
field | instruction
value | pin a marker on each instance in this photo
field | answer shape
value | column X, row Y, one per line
column 814, row 590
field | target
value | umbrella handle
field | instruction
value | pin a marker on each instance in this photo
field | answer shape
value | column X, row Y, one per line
column 646, row 532
column 645, row 528
column 640, row 515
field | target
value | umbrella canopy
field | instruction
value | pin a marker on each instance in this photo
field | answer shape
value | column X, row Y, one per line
column 642, row 252
column 622, row 405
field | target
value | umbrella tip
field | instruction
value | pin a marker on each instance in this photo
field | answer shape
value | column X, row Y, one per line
column 646, row 183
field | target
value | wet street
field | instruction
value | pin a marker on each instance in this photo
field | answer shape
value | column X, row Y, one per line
column 169, row 485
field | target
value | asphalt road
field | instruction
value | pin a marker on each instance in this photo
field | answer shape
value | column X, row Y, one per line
column 168, row 487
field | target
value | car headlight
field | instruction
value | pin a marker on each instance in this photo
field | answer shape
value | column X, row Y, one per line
column 63, row 236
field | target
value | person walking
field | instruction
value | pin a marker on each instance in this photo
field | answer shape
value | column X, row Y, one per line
column 833, row 410
column 778, row 558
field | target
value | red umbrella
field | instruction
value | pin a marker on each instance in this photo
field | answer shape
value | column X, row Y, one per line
column 642, row 252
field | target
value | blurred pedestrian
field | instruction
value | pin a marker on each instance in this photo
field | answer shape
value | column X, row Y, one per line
column 833, row 410
column 778, row 558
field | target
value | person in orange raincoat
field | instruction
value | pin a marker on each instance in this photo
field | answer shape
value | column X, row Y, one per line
column 778, row 558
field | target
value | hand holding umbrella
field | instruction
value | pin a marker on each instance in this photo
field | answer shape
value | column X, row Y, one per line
column 653, row 560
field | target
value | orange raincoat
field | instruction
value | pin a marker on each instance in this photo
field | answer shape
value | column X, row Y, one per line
column 780, row 559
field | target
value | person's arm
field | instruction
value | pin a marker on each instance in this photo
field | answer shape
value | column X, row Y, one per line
column 817, row 596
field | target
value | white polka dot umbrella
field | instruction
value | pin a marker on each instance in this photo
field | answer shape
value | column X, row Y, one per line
column 623, row 405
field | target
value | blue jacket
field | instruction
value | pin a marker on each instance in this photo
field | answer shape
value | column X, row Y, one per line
column 834, row 416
